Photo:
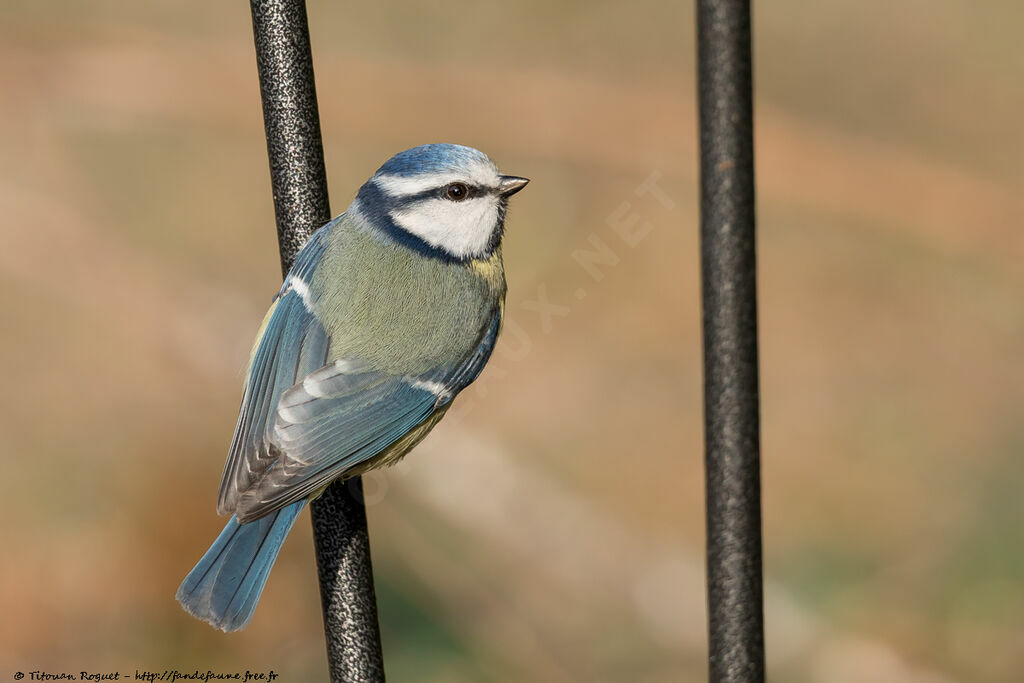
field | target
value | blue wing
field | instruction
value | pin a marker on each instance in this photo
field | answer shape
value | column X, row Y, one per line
column 345, row 414
column 293, row 344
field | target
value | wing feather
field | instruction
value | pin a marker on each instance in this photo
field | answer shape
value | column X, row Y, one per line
column 293, row 344
column 343, row 415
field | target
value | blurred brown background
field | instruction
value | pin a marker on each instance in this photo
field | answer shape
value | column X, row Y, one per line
column 552, row 528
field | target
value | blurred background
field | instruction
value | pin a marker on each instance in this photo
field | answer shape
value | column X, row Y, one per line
column 551, row 529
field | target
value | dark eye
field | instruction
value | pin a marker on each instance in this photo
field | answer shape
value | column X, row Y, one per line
column 456, row 192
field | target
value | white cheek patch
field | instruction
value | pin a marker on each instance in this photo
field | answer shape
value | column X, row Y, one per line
column 460, row 228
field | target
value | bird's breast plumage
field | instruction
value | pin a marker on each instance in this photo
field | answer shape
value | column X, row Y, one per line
column 398, row 309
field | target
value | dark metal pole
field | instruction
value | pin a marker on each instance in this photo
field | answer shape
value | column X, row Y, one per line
column 299, row 180
column 728, row 263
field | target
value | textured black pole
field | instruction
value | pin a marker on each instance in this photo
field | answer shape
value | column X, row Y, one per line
column 728, row 263
column 299, row 180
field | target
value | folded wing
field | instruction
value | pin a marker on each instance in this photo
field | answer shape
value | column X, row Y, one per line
column 292, row 344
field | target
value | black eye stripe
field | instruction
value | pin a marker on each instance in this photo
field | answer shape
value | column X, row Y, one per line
column 440, row 192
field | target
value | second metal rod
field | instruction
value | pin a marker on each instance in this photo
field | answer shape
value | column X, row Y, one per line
column 731, row 402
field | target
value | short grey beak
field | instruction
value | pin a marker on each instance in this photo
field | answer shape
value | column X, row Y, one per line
column 510, row 184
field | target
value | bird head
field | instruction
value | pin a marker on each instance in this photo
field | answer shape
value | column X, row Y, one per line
column 443, row 200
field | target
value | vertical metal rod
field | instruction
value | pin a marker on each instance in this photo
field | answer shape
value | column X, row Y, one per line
column 728, row 264
column 299, row 179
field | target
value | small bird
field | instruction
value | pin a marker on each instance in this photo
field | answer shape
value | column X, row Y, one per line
column 390, row 310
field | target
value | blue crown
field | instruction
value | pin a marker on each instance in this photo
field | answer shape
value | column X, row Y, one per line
column 433, row 158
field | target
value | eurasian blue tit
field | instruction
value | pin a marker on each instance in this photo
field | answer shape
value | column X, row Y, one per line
column 390, row 310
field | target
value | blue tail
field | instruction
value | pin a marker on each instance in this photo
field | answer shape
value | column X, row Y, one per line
column 224, row 587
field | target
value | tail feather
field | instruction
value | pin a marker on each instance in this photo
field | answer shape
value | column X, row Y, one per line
column 225, row 585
